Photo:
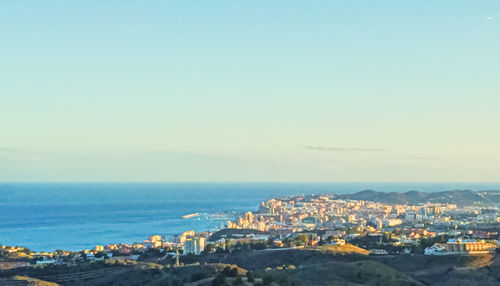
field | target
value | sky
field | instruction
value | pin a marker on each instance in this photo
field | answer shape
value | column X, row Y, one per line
column 357, row 91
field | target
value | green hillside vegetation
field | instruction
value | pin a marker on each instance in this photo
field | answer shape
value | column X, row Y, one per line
column 460, row 197
column 235, row 233
column 363, row 272
column 122, row 273
column 324, row 265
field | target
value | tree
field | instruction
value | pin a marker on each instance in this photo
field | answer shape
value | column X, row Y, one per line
column 198, row 276
column 268, row 280
column 228, row 244
column 58, row 252
column 209, row 248
column 230, row 272
column 219, row 280
column 238, row 281
column 100, row 254
column 250, row 276
column 302, row 239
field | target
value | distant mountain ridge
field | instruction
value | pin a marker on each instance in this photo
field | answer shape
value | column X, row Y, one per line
column 459, row 197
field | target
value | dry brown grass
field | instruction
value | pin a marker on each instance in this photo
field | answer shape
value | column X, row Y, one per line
column 342, row 249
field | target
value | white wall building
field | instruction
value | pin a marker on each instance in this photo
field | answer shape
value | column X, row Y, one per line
column 194, row 245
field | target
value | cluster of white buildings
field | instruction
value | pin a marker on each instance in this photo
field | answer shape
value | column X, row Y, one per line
column 300, row 213
column 461, row 247
column 288, row 217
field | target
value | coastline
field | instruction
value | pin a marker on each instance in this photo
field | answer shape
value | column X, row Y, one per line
column 76, row 216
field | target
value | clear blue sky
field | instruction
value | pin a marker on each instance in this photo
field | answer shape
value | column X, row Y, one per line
column 250, row 90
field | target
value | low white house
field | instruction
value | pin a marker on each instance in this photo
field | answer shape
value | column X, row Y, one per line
column 436, row 249
column 45, row 261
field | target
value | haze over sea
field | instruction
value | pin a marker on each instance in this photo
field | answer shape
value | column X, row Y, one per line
column 75, row 216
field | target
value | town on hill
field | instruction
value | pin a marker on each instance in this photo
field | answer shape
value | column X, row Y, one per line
column 370, row 238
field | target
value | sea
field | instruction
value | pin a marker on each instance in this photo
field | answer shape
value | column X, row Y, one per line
column 77, row 216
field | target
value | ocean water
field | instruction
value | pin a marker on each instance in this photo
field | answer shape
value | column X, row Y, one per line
column 75, row 216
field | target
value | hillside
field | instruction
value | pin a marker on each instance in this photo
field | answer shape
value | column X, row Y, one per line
column 310, row 266
column 342, row 249
column 365, row 272
column 235, row 233
column 460, row 197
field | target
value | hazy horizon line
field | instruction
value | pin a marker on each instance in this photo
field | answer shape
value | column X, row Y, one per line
column 259, row 182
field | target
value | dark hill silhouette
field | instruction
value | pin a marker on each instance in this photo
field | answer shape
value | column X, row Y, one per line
column 460, row 197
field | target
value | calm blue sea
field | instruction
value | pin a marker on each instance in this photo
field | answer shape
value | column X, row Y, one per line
column 73, row 216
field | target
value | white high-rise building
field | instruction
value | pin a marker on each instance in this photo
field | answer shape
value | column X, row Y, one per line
column 194, row 245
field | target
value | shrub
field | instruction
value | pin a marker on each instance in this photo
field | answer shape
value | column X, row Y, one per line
column 250, row 276
column 268, row 280
column 219, row 280
column 230, row 272
column 238, row 281
column 198, row 276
